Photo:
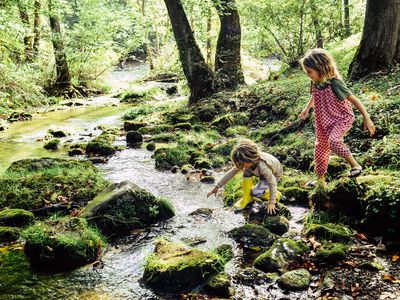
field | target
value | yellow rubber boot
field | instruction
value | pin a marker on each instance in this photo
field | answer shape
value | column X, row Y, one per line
column 247, row 197
column 265, row 197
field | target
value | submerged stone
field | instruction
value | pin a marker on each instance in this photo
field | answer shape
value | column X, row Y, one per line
column 134, row 137
column 295, row 280
column 176, row 268
column 61, row 244
column 253, row 236
column 219, row 285
column 124, row 206
column 252, row 276
column 52, row 144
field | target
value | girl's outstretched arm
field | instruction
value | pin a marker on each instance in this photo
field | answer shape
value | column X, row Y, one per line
column 306, row 110
column 368, row 124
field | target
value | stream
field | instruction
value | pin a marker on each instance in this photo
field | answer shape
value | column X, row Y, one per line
column 118, row 274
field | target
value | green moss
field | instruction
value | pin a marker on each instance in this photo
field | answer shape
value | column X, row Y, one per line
column 53, row 182
column 280, row 254
column 298, row 279
column 329, row 231
column 253, row 235
column 165, row 137
column 224, row 148
column 61, row 243
column 175, row 267
column 8, row 234
column 233, row 190
column 225, row 121
column 52, row 144
column 276, row 224
column 139, row 94
column 236, row 131
column 16, row 217
column 156, row 129
column 166, row 158
column 101, row 145
column 183, row 126
column 331, row 252
column 133, row 125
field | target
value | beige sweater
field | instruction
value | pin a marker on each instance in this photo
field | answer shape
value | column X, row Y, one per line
column 269, row 168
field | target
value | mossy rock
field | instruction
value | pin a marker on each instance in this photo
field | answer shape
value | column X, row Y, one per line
column 124, row 206
column 225, row 251
column 101, row 145
column 166, row 158
column 134, row 137
column 278, row 257
column 156, row 129
column 235, row 131
column 253, row 236
column 202, row 163
column 183, row 126
column 329, row 231
column 298, row 279
column 166, row 137
column 151, row 146
column 133, row 125
column 225, row 148
column 176, row 268
column 337, row 166
column 252, row 276
column 346, row 195
column 16, row 217
column 258, row 212
column 384, row 153
column 296, row 194
column 208, row 179
column 225, row 121
column 57, row 133
column 29, row 184
column 276, row 224
column 9, row 234
column 331, row 253
column 62, row 244
column 220, row 286
column 36, row 164
column 52, row 144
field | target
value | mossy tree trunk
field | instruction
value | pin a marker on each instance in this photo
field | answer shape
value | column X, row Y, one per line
column 197, row 73
column 379, row 42
column 28, row 39
column 63, row 77
column 36, row 27
column 228, row 68
column 149, row 54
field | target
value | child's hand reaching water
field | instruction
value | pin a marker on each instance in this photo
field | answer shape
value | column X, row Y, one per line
column 213, row 191
column 271, row 209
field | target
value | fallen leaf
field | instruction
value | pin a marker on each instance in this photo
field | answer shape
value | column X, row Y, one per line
column 350, row 263
column 374, row 97
column 391, row 278
column 395, row 258
column 314, row 242
column 362, row 237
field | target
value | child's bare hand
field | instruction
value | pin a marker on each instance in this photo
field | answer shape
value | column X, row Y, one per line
column 304, row 114
column 271, row 208
column 368, row 124
column 213, row 191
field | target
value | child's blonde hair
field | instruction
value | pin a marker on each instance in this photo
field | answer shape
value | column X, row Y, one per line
column 321, row 61
column 245, row 151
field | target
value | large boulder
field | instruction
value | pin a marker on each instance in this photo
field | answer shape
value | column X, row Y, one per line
column 329, row 231
column 176, row 268
column 8, row 234
column 280, row 255
column 124, row 206
column 62, row 244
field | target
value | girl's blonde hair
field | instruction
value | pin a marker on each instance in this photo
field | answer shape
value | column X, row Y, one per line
column 245, row 151
column 321, row 61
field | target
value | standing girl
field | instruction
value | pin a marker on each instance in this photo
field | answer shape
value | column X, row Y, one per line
column 248, row 158
column 332, row 102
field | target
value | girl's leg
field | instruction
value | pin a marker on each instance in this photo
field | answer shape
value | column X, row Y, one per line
column 338, row 146
column 321, row 155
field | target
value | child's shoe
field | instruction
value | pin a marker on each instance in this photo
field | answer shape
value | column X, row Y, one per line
column 247, row 197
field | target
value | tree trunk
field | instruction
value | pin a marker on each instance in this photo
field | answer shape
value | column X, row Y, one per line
column 63, row 79
column 28, row 40
column 208, row 47
column 379, row 42
column 228, row 68
column 149, row 54
column 346, row 10
column 317, row 27
column 36, row 28
column 197, row 73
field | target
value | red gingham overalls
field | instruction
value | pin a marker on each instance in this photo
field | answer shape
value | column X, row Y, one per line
column 333, row 118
